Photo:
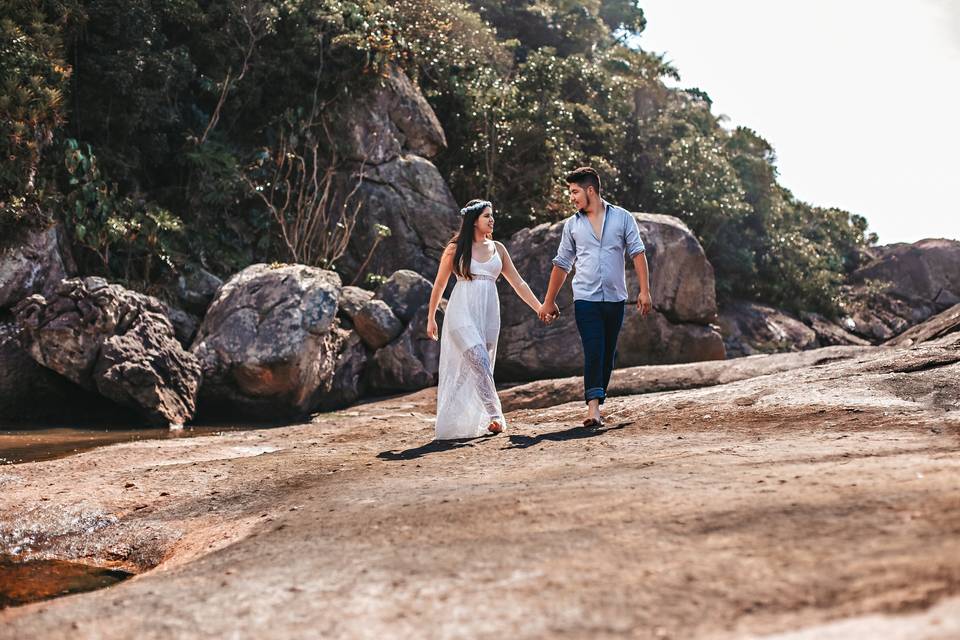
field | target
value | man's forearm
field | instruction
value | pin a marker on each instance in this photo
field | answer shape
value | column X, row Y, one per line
column 557, row 277
column 643, row 272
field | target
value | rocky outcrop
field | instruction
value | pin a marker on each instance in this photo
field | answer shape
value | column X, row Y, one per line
column 405, row 292
column 32, row 395
column 751, row 328
column 393, row 119
column 390, row 133
column 35, row 265
column 904, row 285
column 671, row 377
column 115, row 341
column 267, row 345
column 196, row 288
column 830, row 333
column 410, row 362
column 376, row 324
column 930, row 329
column 678, row 330
column 349, row 383
column 352, row 300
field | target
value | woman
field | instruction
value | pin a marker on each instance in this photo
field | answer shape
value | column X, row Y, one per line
column 467, row 402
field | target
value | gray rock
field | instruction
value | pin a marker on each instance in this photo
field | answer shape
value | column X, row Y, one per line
column 120, row 343
column 830, row 333
column 32, row 395
column 681, row 282
column 348, row 378
column 35, row 265
column 185, row 325
column 681, row 277
column 405, row 292
column 410, row 362
column 267, row 344
column 387, row 137
column 928, row 270
column 196, row 288
column 352, row 300
column 671, row 377
column 393, row 118
column 933, row 328
column 749, row 328
column 903, row 285
column 376, row 324
column 409, row 196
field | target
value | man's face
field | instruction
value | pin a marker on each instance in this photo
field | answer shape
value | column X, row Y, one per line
column 578, row 196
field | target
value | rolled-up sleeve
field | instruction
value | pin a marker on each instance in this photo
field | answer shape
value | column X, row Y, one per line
column 567, row 251
column 632, row 237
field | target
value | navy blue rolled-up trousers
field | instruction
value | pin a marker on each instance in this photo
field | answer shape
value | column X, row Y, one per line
column 599, row 325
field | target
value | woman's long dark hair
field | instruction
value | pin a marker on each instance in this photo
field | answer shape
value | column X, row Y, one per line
column 464, row 239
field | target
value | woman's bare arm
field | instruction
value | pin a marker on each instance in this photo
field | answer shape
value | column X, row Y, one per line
column 518, row 283
column 439, row 284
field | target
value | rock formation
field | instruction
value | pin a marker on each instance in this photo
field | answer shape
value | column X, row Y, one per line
column 678, row 330
column 904, row 285
column 390, row 134
column 267, row 344
column 37, row 264
column 115, row 341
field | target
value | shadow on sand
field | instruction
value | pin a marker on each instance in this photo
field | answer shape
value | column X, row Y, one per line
column 435, row 446
column 519, row 441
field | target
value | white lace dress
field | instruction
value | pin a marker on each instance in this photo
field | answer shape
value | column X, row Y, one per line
column 466, row 397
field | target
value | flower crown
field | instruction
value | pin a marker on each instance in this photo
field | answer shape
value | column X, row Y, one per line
column 476, row 206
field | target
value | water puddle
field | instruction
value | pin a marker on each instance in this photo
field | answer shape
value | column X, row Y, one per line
column 27, row 581
column 36, row 445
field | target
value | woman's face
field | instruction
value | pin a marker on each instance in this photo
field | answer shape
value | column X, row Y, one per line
column 484, row 222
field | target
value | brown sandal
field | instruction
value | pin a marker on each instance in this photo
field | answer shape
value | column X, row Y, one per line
column 495, row 427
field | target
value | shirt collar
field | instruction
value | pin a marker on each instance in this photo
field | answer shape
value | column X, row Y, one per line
column 606, row 208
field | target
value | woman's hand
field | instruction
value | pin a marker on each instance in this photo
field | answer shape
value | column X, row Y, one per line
column 432, row 331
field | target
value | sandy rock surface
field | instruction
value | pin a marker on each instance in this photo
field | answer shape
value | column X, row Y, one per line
column 822, row 502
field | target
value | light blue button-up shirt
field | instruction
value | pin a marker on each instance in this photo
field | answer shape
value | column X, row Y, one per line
column 601, row 268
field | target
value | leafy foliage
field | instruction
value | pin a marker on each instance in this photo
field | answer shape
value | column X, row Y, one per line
column 32, row 78
column 180, row 98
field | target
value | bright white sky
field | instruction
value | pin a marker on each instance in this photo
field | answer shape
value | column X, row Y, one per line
column 859, row 98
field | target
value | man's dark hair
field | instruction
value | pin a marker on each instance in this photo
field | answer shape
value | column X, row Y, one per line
column 585, row 177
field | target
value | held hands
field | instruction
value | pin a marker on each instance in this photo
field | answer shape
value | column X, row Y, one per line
column 644, row 303
column 549, row 311
column 432, row 328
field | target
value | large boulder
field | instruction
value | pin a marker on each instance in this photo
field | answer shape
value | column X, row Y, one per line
column 410, row 362
column 120, row 343
column 376, row 324
column 32, row 395
column 349, row 382
column 681, row 282
column 931, row 329
column 36, row 264
column 393, row 118
column 352, row 300
column 405, row 292
column 903, row 285
column 267, row 344
column 751, row 328
column 389, row 134
column 926, row 271
column 409, row 196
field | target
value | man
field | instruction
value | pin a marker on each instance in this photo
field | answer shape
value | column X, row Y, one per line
column 595, row 239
